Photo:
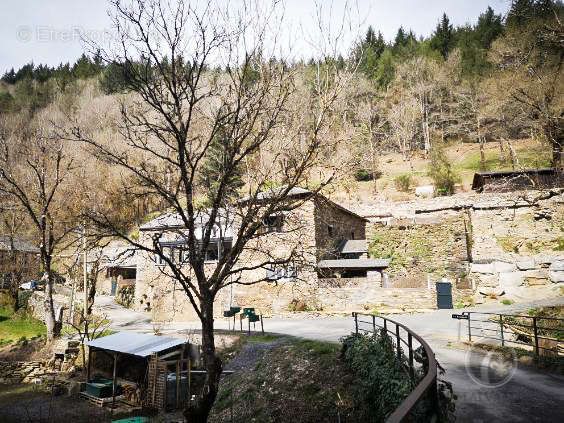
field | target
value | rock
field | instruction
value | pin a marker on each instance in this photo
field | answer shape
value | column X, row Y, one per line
column 542, row 214
column 557, row 266
column 544, row 259
column 556, row 277
column 526, row 264
column 510, row 280
column 536, row 277
column 501, row 266
column 526, row 360
column 482, row 268
column 426, row 191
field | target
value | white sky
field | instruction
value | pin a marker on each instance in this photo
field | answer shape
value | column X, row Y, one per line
column 47, row 31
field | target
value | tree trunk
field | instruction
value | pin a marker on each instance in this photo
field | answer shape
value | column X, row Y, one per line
column 199, row 412
column 49, row 307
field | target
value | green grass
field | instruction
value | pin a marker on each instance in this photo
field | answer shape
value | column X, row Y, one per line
column 507, row 302
column 530, row 157
column 17, row 326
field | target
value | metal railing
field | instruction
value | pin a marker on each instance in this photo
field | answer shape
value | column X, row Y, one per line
column 529, row 331
column 400, row 334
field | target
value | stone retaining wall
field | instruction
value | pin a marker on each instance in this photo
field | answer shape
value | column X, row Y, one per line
column 22, row 371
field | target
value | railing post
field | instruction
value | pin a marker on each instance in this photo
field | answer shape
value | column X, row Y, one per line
column 501, row 327
column 469, row 328
column 373, row 324
column 536, row 336
column 385, row 325
column 355, row 322
column 398, row 346
column 410, row 347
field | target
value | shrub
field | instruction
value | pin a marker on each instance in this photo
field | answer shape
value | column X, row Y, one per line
column 126, row 295
column 382, row 383
column 403, row 182
column 363, row 174
column 23, row 299
column 440, row 170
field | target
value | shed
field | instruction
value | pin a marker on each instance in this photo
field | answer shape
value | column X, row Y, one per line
column 139, row 347
column 503, row 181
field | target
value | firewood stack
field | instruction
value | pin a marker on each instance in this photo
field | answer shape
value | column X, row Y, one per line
column 132, row 394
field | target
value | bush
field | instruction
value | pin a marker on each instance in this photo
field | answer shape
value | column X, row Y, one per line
column 382, row 382
column 440, row 170
column 23, row 299
column 366, row 175
column 126, row 295
column 403, row 182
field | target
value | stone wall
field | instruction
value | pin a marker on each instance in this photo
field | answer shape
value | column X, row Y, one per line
column 15, row 372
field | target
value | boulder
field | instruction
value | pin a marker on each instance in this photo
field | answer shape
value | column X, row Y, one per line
column 482, row 268
column 501, row 266
column 426, row 191
column 511, row 280
column 526, row 264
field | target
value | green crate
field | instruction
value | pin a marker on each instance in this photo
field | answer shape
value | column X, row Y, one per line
column 100, row 388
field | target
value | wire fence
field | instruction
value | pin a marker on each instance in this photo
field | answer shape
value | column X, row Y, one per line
column 543, row 335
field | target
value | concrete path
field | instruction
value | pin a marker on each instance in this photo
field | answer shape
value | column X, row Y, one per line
column 529, row 395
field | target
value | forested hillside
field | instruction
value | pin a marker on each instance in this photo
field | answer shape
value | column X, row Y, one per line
column 498, row 79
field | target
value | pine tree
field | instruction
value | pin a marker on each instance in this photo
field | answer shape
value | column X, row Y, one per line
column 488, row 28
column 401, row 39
column 442, row 39
column 9, row 77
column 215, row 166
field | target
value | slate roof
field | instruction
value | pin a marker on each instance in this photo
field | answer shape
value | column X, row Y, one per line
column 352, row 246
column 354, row 264
column 19, row 245
column 139, row 344
column 124, row 257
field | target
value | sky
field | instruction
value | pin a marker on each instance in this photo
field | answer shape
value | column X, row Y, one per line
column 48, row 31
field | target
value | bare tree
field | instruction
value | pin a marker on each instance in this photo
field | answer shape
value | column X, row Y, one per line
column 530, row 60
column 34, row 169
column 189, row 132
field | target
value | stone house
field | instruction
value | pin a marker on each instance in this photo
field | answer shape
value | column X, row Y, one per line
column 17, row 255
column 328, row 247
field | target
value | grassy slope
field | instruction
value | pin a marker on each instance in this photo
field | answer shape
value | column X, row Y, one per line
column 14, row 327
column 293, row 380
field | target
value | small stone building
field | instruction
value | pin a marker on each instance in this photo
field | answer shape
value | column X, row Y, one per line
column 504, row 181
column 329, row 240
column 17, row 256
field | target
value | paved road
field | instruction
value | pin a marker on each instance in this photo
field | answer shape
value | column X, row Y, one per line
column 529, row 395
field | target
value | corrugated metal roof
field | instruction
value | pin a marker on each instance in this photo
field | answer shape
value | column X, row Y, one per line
column 134, row 343
column 354, row 264
column 19, row 245
column 351, row 246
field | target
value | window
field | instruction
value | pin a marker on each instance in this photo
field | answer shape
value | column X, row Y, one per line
column 275, row 273
column 330, row 230
column 273, row 224
column 352, row 235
